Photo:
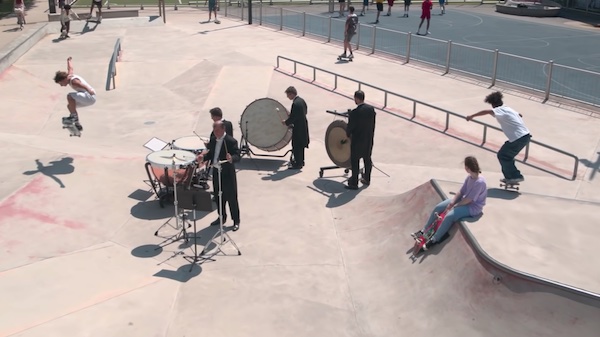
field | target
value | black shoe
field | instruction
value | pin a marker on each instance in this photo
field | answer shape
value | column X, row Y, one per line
column 294, row 167
column 351, row 187
column 218, row 221
column 429, row 244
column 236, row 226
column 365, row 181
column 78, row 126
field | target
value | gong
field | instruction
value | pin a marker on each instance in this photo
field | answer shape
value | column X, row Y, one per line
column 337, row 143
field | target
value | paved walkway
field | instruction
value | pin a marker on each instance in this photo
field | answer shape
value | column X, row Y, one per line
column 309, row 248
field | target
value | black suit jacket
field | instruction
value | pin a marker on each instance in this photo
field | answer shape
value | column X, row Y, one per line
column 361, row 128
column 230, row 146
column 297, row 120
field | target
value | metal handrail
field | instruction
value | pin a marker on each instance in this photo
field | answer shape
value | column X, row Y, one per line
column 112, row 66
column 417, row 102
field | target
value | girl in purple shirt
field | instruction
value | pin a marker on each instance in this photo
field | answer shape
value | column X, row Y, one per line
column 468, row 202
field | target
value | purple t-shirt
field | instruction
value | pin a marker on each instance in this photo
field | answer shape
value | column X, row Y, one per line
column 476, row 190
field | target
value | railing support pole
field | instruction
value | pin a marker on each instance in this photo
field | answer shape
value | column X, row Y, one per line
column 448, row 54
column 374, row 39
column 495, row 70
column 549, row 81
column 280, row 18
column 303, row 23
column 408, row 47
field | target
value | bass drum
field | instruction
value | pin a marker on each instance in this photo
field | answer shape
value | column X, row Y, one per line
column 261, row 125
column 337, row 143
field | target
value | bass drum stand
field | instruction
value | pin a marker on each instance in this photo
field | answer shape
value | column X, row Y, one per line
column 221, row 237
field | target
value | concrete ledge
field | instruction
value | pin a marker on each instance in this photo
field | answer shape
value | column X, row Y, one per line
column 13, row 51
column 106, row 14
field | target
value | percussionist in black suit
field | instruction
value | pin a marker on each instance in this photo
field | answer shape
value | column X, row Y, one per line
column 297, row 121
column 361, row 130
column 223, row 150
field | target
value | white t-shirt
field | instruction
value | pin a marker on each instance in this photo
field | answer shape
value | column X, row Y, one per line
column 82, row 82
column 511, row 123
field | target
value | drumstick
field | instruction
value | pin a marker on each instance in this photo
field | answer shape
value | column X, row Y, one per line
column 279, row 113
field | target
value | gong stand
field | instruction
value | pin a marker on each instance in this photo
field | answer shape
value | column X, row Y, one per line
column 246, row 150
column 325, row 168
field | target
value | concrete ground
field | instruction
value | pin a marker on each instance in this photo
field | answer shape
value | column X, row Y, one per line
column 77, row 222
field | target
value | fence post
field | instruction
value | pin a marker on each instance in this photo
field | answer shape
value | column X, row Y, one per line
column 374, row 37
column 495, row 70
column 164, row 11
column 358, row 37
column 549, row 83
column 408, row 47
column 414, row 110
column 303, row 23
column 227, row 3
column 280, row 18
column 329, row 34
column 448, row 56
column 484, row 135
column 159, row 8
column 242, row 6
column 260, row 14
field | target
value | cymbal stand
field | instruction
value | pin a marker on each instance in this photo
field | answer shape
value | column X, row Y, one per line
column 333, row 167
column 196, row 257
column 222, row 236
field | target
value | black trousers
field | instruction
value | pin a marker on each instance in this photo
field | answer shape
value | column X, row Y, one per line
column 298, row 153
column 355, row 157
column 229, row 196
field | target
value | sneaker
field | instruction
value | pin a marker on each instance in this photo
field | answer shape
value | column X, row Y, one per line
column 70, row 120
column 78, row 126
column 351, row 56
column 516, row 180
column 376, row 21
column 428, row 244
column 428, row 32
column 416, row 234
column 503, row 180
column 343, row 55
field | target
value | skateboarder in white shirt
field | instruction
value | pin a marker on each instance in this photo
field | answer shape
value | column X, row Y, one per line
column 515, row 130
column 84, row 94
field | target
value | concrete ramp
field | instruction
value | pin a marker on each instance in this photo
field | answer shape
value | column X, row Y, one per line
column 451, row 290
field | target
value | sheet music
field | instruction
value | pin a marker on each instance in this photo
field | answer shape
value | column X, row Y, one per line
column 155, row 144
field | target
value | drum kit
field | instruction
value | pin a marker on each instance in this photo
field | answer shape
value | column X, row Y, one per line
column 263, row 117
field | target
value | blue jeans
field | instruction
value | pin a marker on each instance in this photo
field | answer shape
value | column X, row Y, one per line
column 452, row 216
column 507, row 154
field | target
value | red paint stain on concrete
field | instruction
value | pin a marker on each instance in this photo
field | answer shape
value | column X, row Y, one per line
column 10, row 207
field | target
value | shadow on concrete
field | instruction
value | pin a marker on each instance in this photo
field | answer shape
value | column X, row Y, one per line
column 500, row 193
column 280, row 175
column 595, row 166
column 140, row 195
column 151, row 210
column 254, row 163
column 12, row 30
column 147, row 251
column 182, row 274
column 215, row 30
column 87, row 28
column 335, row 191
column 54, row 168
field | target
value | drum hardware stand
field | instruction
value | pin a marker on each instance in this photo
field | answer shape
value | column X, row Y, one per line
column 246, row 150
column 195, row 258
column 182, row 233
column 222, row 235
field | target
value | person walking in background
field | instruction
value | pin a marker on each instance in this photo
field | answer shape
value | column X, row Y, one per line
column 390, row 5
column 425, row 15
column 97, row 4
column 66, row 14
column 19, row 7
column 406, row 8
column 349, row 32
column 442, row 7
column 515, row 130
column 379, row 4
column 364, row 8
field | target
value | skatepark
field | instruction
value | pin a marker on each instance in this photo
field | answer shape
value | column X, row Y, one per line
column 79, row 252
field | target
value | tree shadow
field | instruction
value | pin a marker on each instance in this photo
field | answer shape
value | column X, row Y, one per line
column 595, row 166
column 57, row 167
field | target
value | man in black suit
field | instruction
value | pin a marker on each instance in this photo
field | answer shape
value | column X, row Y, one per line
column 297, row 121
column 361, row 130
column 223, row 150
column 216, row 114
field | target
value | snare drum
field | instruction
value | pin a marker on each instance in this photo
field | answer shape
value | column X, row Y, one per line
column 162, row 166
column 193, row 144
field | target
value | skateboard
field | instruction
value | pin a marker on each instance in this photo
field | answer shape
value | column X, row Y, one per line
column 217, row 22
column 345, row 58
column 421, row 239
column 509, row 186
column 73, row 130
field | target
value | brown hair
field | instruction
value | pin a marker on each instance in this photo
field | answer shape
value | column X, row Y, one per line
column 60, row 76
column 216, row 112
column 291, row 90
column 472, row 164
column 495, row 99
